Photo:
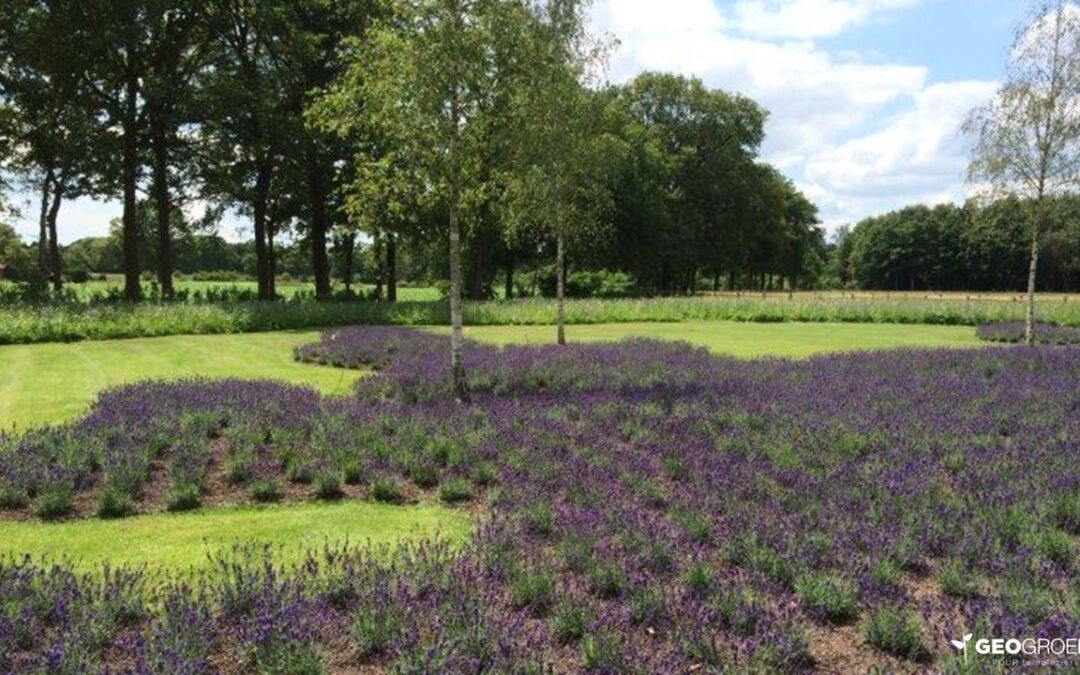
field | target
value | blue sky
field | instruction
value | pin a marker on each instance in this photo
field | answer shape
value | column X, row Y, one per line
column 866, row 97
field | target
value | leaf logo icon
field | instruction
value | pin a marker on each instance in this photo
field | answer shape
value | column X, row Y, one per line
column 962, row 645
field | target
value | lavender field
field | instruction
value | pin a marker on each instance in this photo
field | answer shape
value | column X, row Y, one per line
column 1014, row 332
column 639, row 507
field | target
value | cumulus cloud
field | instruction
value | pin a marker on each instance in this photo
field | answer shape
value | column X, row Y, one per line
column 858, row 133
column 916, row 155
column 808, row 18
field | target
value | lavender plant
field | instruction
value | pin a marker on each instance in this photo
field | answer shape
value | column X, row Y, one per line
column 640, row 505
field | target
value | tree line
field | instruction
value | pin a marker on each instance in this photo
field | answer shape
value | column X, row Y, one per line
column 976, row 247
column 393, row 127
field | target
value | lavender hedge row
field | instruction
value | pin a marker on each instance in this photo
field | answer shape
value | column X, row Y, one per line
column 1015, row 332
column 650, row 508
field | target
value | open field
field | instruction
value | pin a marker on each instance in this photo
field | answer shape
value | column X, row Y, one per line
column 171, row 542
column 638, row 505
column 56, row 382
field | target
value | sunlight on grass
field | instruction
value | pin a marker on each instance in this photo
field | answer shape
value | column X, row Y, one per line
column 747, row 340
column 56, row 382
column 177, row 542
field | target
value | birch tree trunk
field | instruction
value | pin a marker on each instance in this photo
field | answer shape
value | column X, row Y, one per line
column 163, row 206
column 560, row 288
column 457, row 365
column 259, row 205
column 456, row 338
column 1029, row 330
column 132, row 282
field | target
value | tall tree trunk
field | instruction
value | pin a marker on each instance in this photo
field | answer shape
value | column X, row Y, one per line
column 258, row 209
column 271, row 259
column 43, row 232
column 457, row 365
column 348, row 244
column 132, row 283
column 380, row 262
column 560, row 289
column 391, row 267
column 317, row 195
column 1029, row 329
column 56, row 264
column 163, row 206
column 508, row 290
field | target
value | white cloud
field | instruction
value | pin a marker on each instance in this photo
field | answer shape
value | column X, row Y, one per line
column 858, row 133
column 812, row 95
column 917, row 155
column 808, row 18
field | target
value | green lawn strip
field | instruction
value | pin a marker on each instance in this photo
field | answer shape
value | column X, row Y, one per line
column 56, row 382
column 169, row 542
column 747, row 340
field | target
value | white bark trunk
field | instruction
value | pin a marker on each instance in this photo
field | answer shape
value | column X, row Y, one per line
column 1029, row 331
column 560, row 289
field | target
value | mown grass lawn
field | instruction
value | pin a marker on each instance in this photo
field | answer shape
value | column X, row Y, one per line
column 748, row 340
column 181, row 541
column 58, row 381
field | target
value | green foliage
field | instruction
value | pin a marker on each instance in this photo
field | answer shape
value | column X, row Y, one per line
column 698, row 578
column 539, row 519
column 897, row 632
column 183, row 497
column 352, row 471
column 958, row 581
column 829, row 596
column 569, row 622
column 374, row 628
column 328, row 485
column 1066, row 511
column 54, row 501
column 288, row 658
column 455, row 490
column 968, row 248
column 12, row 497
column 423, row 473
column 386, row 489
column 265, row 490
column 534, row 589
column 607, row 579
column 601, row 652
column 73, row 323
column 114, row 503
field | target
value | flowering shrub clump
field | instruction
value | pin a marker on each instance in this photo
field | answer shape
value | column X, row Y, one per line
column 1045, row 333
column 646, row 508
column 369, row 346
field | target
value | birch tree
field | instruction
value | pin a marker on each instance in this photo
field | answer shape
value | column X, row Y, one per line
column 435, row 79
column 1027, row 138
